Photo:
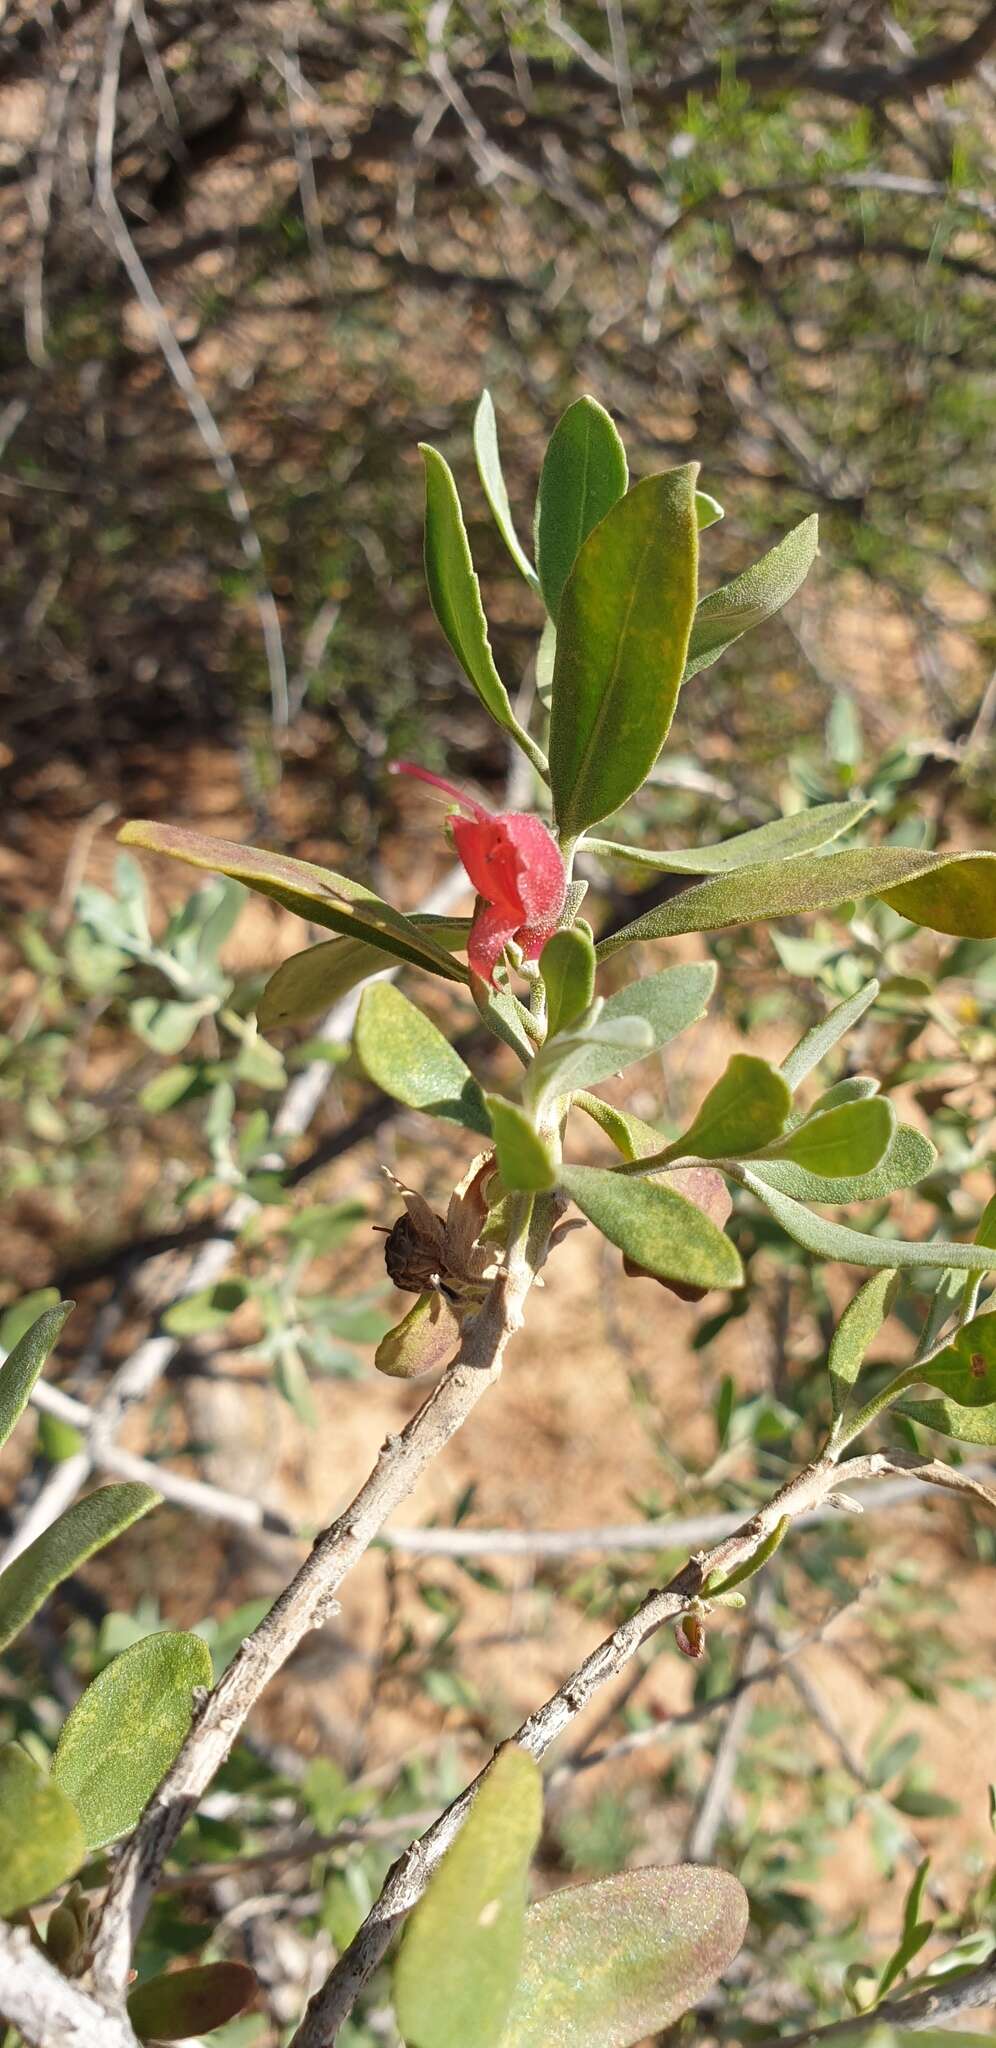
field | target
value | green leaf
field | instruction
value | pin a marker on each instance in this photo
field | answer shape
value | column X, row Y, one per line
column 782, row 839
column 858, row 1326
column 492, row 477
column 165, row 1025
column 949, row 892
column 629, row 1134
column 814, row 1045
column 64, row 1546
column 835, row 1241
column 426, row 1338
column 311, row 981
column 744, row 1110
column 606, row 1964
column 965, row 1371
column 907, row 1160
column 584, row 474
column 454, row 591
column 966, row 1425
column 622, row 634
column 524, row 1160
column 24, row 1363
column 707, row 510
column 210, row 1308
column 123, row 1734
column 837, row 1143
column 407, row 1056
column 41, row 1839
column 317, row 894
column 752, row 597
column 181, row 2003
column 915, row 1933
column 854, row 1088
column 655, row 1226
column 567, row 964
column 459, row 1959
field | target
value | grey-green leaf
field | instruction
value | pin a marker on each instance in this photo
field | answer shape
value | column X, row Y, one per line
column 582, row 1058
column 949, row 1418
column 406, row 1055
column 668, row 1001
column 584, row 474
column 858, row 1326
column 459, row 1961
column 492, row 477
column 41, row 1838
column 454, row 591
column 948, row 892
column 814, row 1045
column 123, row 1734
column 604, row 1965
column 835, row 1241
column 567, row 964
column 24, row 1362
column 752, row 597
column 64, row 1546
column 707, row 510
column 181, row 2003
column 908, row 1159
column 622, row 633
column 524, row 1158
column 744, row 1110
column 311, row 981
column 848, row 1140
column 782, row 839
column 655, row 1226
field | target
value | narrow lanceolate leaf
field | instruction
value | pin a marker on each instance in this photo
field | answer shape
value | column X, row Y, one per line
column 949, row 892
column 459, row 1959
column 835, row 1241
column 182, row 2003
column 966, row 1425
column 567, row 964
column 965, row 1371
column 629, row 1134
column 313, row 980
column 524, row 1159
column 908, row 1159
column 24, row 1362
column 656, row 1227
column 833, row 1143
column 745, row 1109
column 63, row 1547
column 405, row 1054
column 317, row 894
column 752, row 597
column 492, row 477
column 814, row 1045
column 41, row 1838
column 858, row 1327
column 622, row 633
column 123, row 1734
column 454, row 591
column 605, row 1965
column 584, row 474
column 783, row 839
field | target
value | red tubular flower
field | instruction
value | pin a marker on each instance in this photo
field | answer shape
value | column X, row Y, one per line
column 517, row 869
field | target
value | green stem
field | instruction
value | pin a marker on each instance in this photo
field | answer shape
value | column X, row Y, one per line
column 876, row 1406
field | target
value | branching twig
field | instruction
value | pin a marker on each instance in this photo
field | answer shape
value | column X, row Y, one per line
column 49, row 2010
column 965, row 1992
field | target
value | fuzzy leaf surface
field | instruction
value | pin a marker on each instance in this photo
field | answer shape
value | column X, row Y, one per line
column 404, row 1053
column 567, row 964
column 782, row 839
column 744, row 1110
column 454, row 591
column 654, row 1226
column 41, row 1838
column 311, row 981
column 64, row 1546
column 858, row 1327
column 584, row 474
column 848, row 1140
column 908, row 1159
column 127, row 1728
column 524, row 1159
column 181, row 2003
column 24, row 1363
column 752, row 597
column 835, row 1241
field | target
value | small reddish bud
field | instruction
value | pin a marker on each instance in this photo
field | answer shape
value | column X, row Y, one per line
column 517, row 869
column 689, row 1635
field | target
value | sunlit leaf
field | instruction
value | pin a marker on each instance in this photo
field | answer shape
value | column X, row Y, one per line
column 849, row 1139
column 858, row 1327
column 311, row 981
column 567, row 964
column 181, row 2003
column 24, row 1362
column 605, row 1965
column 404, row 1053
column 814, row 1044
column 908, row 1158
column 454, row 590
column 835, row 1241
column 965, row 1371
column 41, row 1837
column 524, row 1158
column 492, row 477
column 459, row 1959
column 782, row 839
column 124, row 1732
column 584, row 474
column 655, row 1226
column 752, row 597
column 743, row 1110
column 622, row 633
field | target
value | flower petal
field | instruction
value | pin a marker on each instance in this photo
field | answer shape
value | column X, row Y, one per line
column 489, row 935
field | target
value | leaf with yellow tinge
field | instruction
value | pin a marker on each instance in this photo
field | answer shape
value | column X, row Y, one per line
column 458, row 1964
column 66, row 1544
column 605, row 1964
column 41, row 1839
column 126, row 1729
column 181, row 2003
column 312, row 980
column 24, row 1362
